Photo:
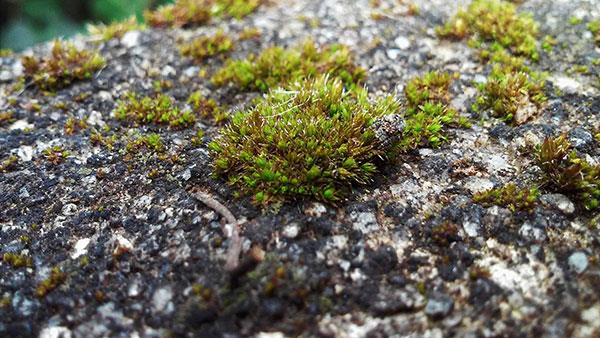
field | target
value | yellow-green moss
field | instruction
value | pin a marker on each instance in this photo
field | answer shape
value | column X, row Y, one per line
column 509, row 196
column 6, row 117
column 102, row 32
column 207, row 108
column 55, row 154
column 64, row 65
column 17, row 260
column 207, row 46
column 277, row 66
column 310, row 140
column 9, row 164
column 594, row 27
column 160, row 110
column 56, row 278
column 186, row 13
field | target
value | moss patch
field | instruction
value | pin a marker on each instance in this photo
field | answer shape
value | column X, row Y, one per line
column 185, row 13
column 207, row 46
column 159, row 110
column 63, row 66
column 509, row 196
column 277, row 66
column 117, row 29
column 312, row 140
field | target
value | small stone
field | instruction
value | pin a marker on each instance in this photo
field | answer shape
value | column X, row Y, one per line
column 80, row 248
column 21, row 125
column 581, row 139
column 566, row 84
column 131, row 39
column 388, row 302
column 316, row 209
column 55, row 332
column 388, row 130
column 478, row 184
column 578, row 261
column 439, row 305
column 69, row 209
column 161, row 300
column 25, row 153
column 291, row 231
column 559, row 202
column 402, row 42
column 365, row 222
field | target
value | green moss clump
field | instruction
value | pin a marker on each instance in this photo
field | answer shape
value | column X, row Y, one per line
column 9, row 164
column 55, row 154
column 495, row 22
column 74, row 125
column 566, row 173
column 64, row 65
column 117, row 29
column 152, row 142
column 276, row 66
column 514, row 97
column 594, row 27
column 207, row 46
column 312, row 140
column 17, row 260
column 509, row 196
column 427, row 111
column 186, row 13
column 207, row 108
column 6, row 118
column 56, row 278
column 160, row 110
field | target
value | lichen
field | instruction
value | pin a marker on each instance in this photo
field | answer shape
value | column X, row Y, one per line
column 310, row 140
column 509, row 196
column 276, row 66
column 63, row 66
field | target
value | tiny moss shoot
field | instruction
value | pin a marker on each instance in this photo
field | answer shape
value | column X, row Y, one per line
column 56, row 278
column 55, row 155
column 276, row 66
column 509, row 196
column 159, row 110
column 188, row 13
column 567, row 173
column 207, row 108
column 17, row 260
column 63, row 66
column 115, row 30
column 594, row 28
column 9, row 164
column 205, row 47
column 312, row 140
column 6, row 118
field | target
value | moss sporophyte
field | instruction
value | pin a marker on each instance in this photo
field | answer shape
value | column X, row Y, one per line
column 313, row 139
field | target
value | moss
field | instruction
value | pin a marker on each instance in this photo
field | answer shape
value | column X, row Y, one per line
column 515, row 97
column 594, row 27
column 567, row 173
column 495, row 22
column 99, row 139
column 6, row 52
column 117, row 29
column 55, row 154
column 74, row 125
column 9, row 164
column 574, row 21
column 444, row 233
column 276, row 66
column 427, row 111
column 249, row 33
column 312, row 140
column 152, row 142
column 186, row 13
column 509, row 196
column 56, row 278
column 17, row 260
column 207, row 46
column 207, row 108
column 63, row 66
column 6, row 118
column 159, row 110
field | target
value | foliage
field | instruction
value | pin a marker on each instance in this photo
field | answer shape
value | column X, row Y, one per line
column 56, row 278
column 207, row 108
column 276, row 66
column 64, row 65
column 55, row 154
column 160, row 110
column 594, row 27
column 495, row 22
column 513, row 96
column 184, row 13
column 207, row 46
column 6, row 117
column 116, row 29
column 509, row 196
column 16, row 260
column 566, row 172
column 312, row 140
column 9, row 164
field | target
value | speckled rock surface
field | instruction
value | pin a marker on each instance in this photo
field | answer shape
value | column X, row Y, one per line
column 144, row 258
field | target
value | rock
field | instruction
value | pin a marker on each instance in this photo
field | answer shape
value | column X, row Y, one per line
column 291, row 231
column 578, row 261
column 439, row 305
column 581, row 139
column 388, row 302
column 55, row 332
column 478, row 184
column 558, row 202
column 388, row 130
column 566, row 84
column 161, row 300
column 21, row 125
column 131, row 39
column 365, row 222
column 402, row 42
column 80, row 248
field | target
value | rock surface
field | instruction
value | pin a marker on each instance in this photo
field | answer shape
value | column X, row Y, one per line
column 142, row 257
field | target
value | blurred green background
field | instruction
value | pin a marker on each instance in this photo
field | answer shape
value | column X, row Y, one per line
column 26, row 22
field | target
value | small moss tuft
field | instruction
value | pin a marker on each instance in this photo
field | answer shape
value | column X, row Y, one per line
column 276, row 66
column 6, row 118
column 17, row 260
column 55, row 154
column 207, row 108
column 312, row 140
column 9, row 164
column 74, row 125
column 56, row 278
column 594, row 27
column 207, row 46
column 160, row 110
column 117, row 29
column 187, row 13
column 567, row 173
column 64, row 65
column 509, row 196
column 515, row 97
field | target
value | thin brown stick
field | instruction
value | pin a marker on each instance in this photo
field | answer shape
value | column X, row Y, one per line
column 230, row 229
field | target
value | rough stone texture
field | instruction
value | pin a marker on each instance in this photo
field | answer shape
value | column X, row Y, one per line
column 369, row 267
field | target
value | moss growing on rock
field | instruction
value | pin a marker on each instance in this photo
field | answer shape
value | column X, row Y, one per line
column 276, row 66
column 55, row 154
column 594, row 27
column 497, row 23
column 9, row 163
column 64, row 65
column 17, row 260
column 160, row 110
column 207, row 108
column 207, row 46
column 515, row 97
column 6, row 118
column 567, row 173
column 117, row 29
column 56, row 278
column 312, row 140
column 185, row 13
column 509, row 196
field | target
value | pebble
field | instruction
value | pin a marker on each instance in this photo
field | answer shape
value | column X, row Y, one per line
column 161, row 300
column 559, row 202
column 578, row 261
column 439, row 305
